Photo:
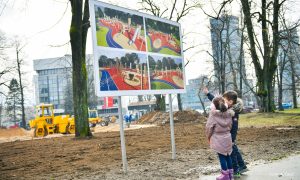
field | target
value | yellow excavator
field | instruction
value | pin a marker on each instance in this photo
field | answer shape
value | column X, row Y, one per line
column 46, row 123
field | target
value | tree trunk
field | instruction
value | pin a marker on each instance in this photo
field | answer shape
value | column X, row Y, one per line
column 78, row 32
column 21, row 87
column 15, row 114
column 1, row 108
column 294, row 93
column 241, row 69
column 202, row 103
column 160, row 102
column 279, row 82
column 223, row 55
column 266, row 74
column 179, row 102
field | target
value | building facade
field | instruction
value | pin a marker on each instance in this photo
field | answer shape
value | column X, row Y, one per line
column 226, row 43
column 53, row 85
column 190, row 100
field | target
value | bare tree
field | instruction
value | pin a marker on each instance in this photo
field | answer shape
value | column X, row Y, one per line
column 78, row 35
column 18, row 46
column 282, row 66
column 204, row 83
column 68, row 98
column 288, row 52
column 4, row 68
column 268, row 18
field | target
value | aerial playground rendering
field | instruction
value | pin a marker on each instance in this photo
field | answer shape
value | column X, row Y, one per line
column 123, row 71
column 166, row 73
column 163, row 38
column 117, row 29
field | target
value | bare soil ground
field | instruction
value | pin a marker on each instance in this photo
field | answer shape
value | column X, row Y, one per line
column 148, row 153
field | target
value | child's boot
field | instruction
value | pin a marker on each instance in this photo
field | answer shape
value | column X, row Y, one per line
column 231, row 174
column 224, row 175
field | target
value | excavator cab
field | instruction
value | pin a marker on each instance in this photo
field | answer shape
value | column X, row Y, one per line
column 93, row 118
column 43, row 122
column 45, row 111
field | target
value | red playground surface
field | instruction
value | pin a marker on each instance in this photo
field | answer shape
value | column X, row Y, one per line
column 118, row 27
column 119, row 76
column 167, row 41
column 168, row 77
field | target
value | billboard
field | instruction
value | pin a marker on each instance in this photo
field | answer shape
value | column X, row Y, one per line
column 135, row 53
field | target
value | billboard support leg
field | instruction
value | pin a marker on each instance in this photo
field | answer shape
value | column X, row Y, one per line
column 122, row 135
column 172, row 128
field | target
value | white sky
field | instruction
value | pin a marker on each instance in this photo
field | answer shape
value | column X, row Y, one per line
column 43, row 23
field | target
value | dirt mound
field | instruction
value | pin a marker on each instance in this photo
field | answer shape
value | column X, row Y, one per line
column 13, row 132
column 159, row 118
column 189, row 116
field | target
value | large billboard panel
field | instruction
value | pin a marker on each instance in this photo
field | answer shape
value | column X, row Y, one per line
column 135, row 53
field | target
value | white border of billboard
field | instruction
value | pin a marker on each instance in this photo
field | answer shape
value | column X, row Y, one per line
column 97, row 49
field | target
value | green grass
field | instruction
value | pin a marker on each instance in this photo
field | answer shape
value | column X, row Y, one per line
column 160, row 85
column 149, row 44
column 101, row 36
column 176, row 40
column 291, row 111
column 282, row 118
column 168, row 52
column 100, row 75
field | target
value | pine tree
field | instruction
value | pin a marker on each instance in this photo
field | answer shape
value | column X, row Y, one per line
column 13, row 101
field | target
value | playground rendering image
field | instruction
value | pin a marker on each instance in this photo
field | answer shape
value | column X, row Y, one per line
column 163, row 38
column 117, row 29
column 165, row 73
column 123, row 71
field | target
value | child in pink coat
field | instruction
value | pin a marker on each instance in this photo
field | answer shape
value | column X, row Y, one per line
column 218, row 132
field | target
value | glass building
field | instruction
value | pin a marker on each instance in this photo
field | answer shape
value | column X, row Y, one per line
column 52, row 79
column 190, row 100
column 53, row 84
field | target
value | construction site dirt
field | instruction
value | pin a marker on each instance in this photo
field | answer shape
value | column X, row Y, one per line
column 148, row 153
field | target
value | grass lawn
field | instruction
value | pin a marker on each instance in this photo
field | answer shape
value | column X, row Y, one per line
column 159, row 85
column 149, row 44
column 101, row 36
column 168, row 52
column 279, row 118
column 176, row 40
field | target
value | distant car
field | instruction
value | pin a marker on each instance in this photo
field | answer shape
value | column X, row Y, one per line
column 287, row 105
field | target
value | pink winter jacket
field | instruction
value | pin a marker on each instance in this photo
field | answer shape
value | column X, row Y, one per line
column 218, row 131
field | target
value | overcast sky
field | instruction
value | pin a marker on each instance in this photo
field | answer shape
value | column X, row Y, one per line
column 44, row 26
